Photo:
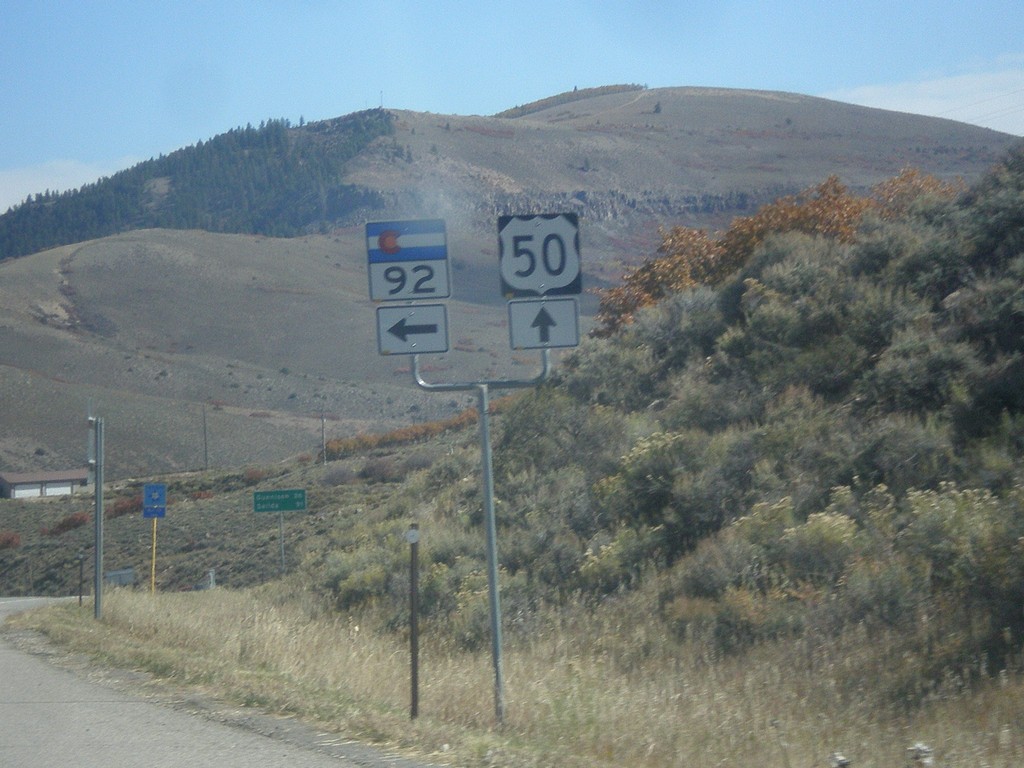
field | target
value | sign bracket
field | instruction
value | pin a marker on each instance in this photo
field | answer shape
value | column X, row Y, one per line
column 540, row 378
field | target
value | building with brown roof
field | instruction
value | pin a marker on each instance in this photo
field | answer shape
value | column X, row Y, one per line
column 28, row 485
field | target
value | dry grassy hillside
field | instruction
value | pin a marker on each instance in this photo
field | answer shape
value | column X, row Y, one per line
column 152, row 327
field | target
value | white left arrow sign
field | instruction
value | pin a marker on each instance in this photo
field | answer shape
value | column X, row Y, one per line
column 412, row 330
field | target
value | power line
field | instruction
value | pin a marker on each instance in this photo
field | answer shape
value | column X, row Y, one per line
column 982, row 101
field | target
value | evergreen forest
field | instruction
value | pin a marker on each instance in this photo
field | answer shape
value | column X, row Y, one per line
column 274, row 180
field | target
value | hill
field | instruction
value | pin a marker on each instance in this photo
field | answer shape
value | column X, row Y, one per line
column 776, row 482
column 697, row 155
column 219, row 343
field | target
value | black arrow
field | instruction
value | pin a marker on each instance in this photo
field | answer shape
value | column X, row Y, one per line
column 545, row 323
column 403, row 330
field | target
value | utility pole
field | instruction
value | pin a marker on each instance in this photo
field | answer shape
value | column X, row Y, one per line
column 206, row 445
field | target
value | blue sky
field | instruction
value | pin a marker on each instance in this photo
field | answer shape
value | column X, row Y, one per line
column 88, row 88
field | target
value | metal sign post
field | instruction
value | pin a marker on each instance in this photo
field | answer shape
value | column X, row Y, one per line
column 290, row 500
column 154, row 505
column 152, row 566
column 539, row 261
column 483, row 389
column 96, row 428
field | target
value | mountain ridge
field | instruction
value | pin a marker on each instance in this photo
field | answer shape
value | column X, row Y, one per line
column 712, row 152
column 273, row 336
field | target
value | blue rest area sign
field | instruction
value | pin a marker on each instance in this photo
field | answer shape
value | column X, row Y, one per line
column 154, row 500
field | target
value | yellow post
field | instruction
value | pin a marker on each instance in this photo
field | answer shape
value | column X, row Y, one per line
column 152, row 571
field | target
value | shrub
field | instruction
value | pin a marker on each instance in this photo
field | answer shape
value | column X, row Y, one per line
column 381, row 470
column 937, row 266
column 688, row 257
column 550, row 517
column 702, row 399
column 971, row 544
column 904, row 452
column 911, row 190
column 805, row 448
column 547, row 430
column 990, row 313
column 417, row 462
column 951, row 530
column 919, row 372
column 618, row 563
column 9, row 540
column 450, row 470
column 875, row 313
column 68, row 523
column 818, row 550
column 739, row 619
column 338, row 476
column 887, row 591
column 340, row 448
column 683, row 326
column 360, row 576
column 622, row 375
column 720, row 563
column 124, row 505
column 641, row 491
column 765, row 525
column 994, row 211
column 253, row 475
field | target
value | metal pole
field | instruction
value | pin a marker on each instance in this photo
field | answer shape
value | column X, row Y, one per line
column 488, row 496
column 97, row 425
column 414, row 619
column 492, row 553
column 206, row 445
column 152, row 569
column 323, row 436
column 280, row 529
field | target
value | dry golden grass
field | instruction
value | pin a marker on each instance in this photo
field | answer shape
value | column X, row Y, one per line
column 587, row 687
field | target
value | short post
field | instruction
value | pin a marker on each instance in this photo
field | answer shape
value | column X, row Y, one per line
column 413, row 537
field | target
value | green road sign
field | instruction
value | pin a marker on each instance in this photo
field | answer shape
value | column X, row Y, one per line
column 292, row 500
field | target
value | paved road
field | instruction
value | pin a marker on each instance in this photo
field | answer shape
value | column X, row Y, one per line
column 52, row 716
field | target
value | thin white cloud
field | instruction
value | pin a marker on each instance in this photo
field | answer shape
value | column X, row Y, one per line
column 992, row 99
column 16, row 184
